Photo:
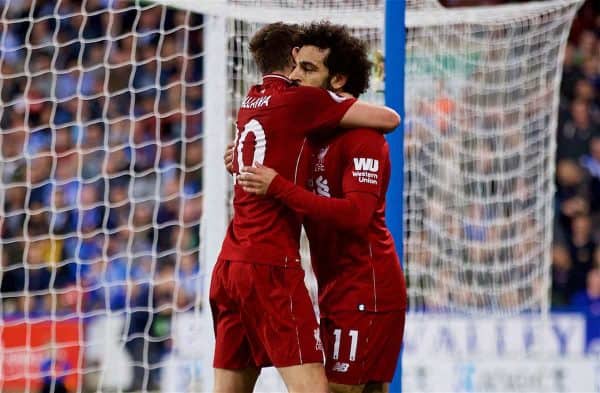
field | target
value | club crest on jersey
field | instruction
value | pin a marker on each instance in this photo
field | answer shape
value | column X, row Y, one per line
column 320, row 161
column 322, row 153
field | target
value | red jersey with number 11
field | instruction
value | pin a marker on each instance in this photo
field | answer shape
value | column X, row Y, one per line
column 273, row 121
column 356, row 269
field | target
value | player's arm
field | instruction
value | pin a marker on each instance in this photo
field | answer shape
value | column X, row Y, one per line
column 352, row 212
column 362, row 114
column 322, row 112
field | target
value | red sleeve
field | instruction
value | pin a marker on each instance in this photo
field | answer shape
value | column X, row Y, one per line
column 352, row 212
column 366, row 160
column 319, row 110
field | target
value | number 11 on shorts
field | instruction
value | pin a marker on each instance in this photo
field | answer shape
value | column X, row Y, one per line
column 353, row 344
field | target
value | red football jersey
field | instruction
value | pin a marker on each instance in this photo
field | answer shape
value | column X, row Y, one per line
column 356, row 269
column 273, row 121
column 353, row 253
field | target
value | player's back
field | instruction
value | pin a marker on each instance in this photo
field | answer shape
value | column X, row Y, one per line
column 272, row 123
column 357, row 269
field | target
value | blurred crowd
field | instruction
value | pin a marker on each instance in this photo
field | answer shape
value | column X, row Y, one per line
column 576, row 248
column 101, row 163
column 576, row 234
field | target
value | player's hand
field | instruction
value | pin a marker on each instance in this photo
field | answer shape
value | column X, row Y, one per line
column 256, row 179
column 228, row 158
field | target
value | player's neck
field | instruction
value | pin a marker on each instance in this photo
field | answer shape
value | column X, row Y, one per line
column 280, row 73
column 275, row 75
column 283, row 72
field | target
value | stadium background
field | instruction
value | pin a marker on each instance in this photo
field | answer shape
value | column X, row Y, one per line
column 63, row 275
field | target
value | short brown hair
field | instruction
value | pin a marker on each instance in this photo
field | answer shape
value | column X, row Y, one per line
column 272, row 46
column 347, row 54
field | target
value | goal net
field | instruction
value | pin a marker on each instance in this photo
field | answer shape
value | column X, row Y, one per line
column 481, row 114
column 102, row 194
column 114, row 199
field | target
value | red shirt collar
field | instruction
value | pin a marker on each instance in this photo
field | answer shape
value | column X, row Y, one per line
column 274, row 77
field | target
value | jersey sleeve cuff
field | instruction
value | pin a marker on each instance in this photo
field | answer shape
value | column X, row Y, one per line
column 277, row 186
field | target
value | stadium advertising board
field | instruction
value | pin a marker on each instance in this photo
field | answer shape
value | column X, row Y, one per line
column 492, row 354
column 506, row 375
column 32, row 350
column 519, row 336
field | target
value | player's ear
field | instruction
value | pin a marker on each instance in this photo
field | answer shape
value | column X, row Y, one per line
column 295, row 52
column 338, row 82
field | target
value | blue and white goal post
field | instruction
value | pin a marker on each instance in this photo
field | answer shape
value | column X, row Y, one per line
column 395, row 42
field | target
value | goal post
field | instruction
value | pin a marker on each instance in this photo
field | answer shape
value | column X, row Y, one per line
column 395, row 43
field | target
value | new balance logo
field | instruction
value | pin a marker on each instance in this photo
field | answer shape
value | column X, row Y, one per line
column 340, row 367
column 322, row 187
column 366, row 164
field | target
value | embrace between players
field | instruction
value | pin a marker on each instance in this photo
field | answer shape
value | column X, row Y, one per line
column 307, row 152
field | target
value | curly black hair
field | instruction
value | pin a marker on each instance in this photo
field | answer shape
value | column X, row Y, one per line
column 272, row 46
column 347, row 54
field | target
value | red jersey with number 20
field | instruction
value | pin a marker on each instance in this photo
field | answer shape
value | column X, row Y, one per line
column 273, row 121
column 356, row 269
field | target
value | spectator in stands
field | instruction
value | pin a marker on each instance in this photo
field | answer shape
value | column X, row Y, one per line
column 571, row 74
column 189, row 278
column 586, row 92
column 587, row 301
column 107, row 283
column 168, row 297
column 591, row 163
column 93, row 152
column 561, row 276
column 33, row 277
column 54, row 368
column 576, row 132
column 12, row 145
column 64, row 216
column 571, row 193
column 12, row 277
column 581, row 249
column 168, row 212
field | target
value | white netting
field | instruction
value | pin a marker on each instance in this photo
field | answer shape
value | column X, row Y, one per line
column 481, row 110
column 102, row 168
column 422, row 4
